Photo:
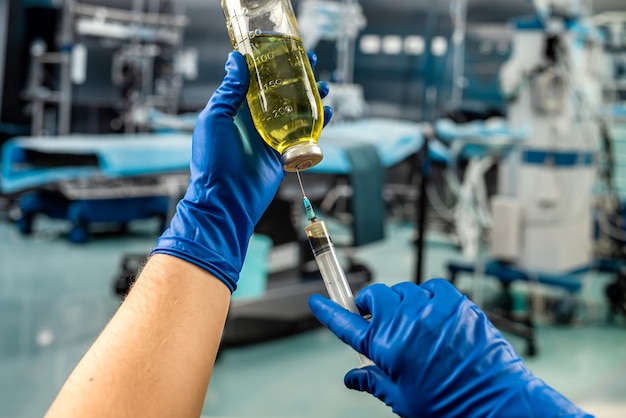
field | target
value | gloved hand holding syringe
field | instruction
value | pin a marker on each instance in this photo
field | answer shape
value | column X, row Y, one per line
column 333, row 275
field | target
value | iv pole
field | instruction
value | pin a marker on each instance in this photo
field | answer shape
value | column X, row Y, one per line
column 458, row 11
column 345, row 52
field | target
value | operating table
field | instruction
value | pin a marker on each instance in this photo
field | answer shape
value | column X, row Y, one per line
column 132, row 172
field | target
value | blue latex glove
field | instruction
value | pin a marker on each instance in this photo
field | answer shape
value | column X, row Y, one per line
column 437, row 355
column 234, row 177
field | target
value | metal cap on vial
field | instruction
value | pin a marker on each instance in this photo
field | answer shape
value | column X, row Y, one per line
column 301, row 157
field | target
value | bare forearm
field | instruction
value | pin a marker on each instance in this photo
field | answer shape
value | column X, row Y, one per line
column 156, row 355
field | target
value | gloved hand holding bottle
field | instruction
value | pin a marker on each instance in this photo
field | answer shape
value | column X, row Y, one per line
column 437, row 355
column 234, row 177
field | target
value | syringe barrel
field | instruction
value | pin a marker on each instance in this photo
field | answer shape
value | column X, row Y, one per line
column 334, row 278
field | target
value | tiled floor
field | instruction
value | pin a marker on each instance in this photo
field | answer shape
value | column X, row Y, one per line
column 55, row 297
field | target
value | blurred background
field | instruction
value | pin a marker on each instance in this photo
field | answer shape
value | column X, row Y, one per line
column 483, row 142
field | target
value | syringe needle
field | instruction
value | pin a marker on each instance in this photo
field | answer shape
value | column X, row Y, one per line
column 300, row 181
column 308, row 208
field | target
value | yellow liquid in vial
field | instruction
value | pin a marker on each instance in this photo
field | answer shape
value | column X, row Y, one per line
column 283, row 98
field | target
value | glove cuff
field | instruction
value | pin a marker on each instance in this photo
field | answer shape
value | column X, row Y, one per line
column 211, row 261
column 209, row 238
column 547, row 402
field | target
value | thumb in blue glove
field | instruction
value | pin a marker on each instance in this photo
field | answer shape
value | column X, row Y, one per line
column 437, row 355
column 234, row 177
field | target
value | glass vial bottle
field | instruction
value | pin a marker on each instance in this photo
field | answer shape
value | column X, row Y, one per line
column 283, row 98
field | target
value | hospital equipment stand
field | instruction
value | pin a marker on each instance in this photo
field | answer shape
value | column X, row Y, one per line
column 421, row 204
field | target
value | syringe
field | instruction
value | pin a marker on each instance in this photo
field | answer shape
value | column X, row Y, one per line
column 333, row 275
